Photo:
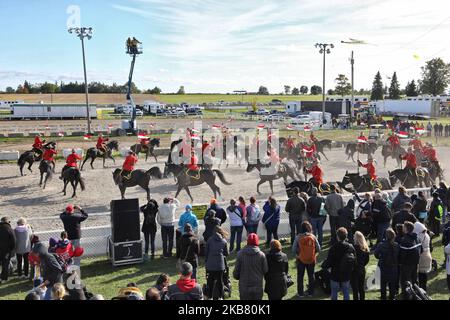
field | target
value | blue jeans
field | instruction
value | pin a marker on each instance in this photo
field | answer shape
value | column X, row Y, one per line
column 236, row 232
column 252, row 228
column 48, row 293
column 301, row 267
column 338, row 286
column 381, row 229
column 317, row 226
column 295, row 223
column 167, row 234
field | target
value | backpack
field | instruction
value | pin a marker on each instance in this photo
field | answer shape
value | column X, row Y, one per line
column 307, row 249
column 347, row 262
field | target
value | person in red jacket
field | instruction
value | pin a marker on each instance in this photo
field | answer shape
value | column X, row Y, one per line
column 362, row 141
column 128, row 166
column 71, row 162
column 49, row 156
column 38, row 145
column 290, row 143
column 394, row 142
column 371, row 172
column 193, row 170
column 101, row 146
column 411, row 162
column 430, row 154
column 416, row 144
column 316, row 172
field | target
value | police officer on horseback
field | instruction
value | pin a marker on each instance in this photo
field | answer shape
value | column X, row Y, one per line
column 127, row 167
column 38, row 145
column 71, row 162
column 49, row 154
column 101, row 146
column 371, row 176
column 411, row 162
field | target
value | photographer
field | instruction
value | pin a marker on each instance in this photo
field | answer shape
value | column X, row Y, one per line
column 72, row 225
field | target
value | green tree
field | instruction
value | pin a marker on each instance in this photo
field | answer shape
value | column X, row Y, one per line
column 394, row 89
column 377, row 88
column 10, row 90
column 435, row 77
column 315, row 90
column 287, row 89
column 411, row 89
column 295, row 91
column 155, row 90
column 181, row 90
column 263, row 90
column 304, row 90
column 343, row 87
column 331, row 92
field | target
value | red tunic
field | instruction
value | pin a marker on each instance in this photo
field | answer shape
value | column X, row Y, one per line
column 193, row 163
column 72, row 159
column 37, row 143
column 317, row 174
column 416, row 143
column 411, row 162
column 290, row 144
column 100, row 142
column 362, row 138
column 48, row 155
column 430, row 153
column 370, row 170
column 394, row 141
column 145, row 141
column 129, row 162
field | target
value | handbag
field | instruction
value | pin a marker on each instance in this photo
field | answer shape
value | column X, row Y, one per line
column 289, row 281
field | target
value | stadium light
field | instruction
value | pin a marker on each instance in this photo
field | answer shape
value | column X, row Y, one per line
column 324, row 50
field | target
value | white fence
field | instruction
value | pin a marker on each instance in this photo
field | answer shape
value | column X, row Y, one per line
column 95, row 239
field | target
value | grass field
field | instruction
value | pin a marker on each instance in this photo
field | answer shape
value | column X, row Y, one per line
column 100, row 277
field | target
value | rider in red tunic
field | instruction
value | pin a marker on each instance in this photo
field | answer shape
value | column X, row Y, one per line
column 290, row 144
column 101, row 143
column 313, row 138
column 411, row 162
column 316, row 172
column 393, row 141
column 193, row 170
column 38, row 145
column 128, row 166
column 71, row 162
column 371, row 172
column 362, row 140
column 144, row 143
column 416, row 144
column 48, row 156
column 430, row 153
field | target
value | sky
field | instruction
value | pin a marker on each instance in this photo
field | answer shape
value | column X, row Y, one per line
column 220, row 46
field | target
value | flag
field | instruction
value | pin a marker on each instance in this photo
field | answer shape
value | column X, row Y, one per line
column 261, row 126
column 307, row 150
column 361, row 141
column 195, row 130
column 421, row 131
column 110, row 126
column 216, row 126
column 195, row 137
column 87, row 137
column 307, row 128
column 290, row 127
column 402, row 134
column 142, row 136
column 60, row 134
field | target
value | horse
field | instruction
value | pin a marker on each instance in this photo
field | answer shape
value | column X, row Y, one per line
column 307, row 187
column 434, row 169
column 137, row 178
column 283, row 171
column 361, row 184
column 386, row 152
column 73, row 175
column 367, row 148
column 138, row 148
column 204, row 176
column 93, row 153
column 320, row 146
column 407, row 180
column 30, row 157
column 45, row 168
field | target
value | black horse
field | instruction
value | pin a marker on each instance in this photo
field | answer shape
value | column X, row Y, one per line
column 386, row 152
column 73, row 175
column 321, row 145
column 434, row 169
column 361, row 184
column 149, row 150
column 137, row 178
column 45, row 168
column 93, row 153
column 403, row 176
column 184, row 181
column 284, row 170
column 307, row 187
column 366, row 148
column 30, row 157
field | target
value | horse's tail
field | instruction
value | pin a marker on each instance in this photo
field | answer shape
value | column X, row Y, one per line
column 347, row 149
column 80, row 180
column 222, row 177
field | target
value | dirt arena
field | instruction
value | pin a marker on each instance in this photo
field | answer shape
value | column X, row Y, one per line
column 22, row 196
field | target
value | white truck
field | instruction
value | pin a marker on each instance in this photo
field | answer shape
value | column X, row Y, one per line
column 314, row 119
column 388, row 106
column 153, row 107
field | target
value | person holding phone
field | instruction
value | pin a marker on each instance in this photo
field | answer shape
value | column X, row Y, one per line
column 72, row 218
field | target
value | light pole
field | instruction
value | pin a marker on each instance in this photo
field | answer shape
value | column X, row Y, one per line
column 324, row 50
column 82, row 33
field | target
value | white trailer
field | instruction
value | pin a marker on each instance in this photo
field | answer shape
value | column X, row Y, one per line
column 52, row 111
column 7, row 104
column 293, row 107
column 423, row 107
column 153, row 107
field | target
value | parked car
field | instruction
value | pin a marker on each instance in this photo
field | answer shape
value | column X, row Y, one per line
column 274, row 117
column 262, row 112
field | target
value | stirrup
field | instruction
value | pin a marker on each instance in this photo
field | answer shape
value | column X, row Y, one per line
column 376, row 183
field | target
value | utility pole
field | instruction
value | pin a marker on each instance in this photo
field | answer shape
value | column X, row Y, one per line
column 352, row 107
column 324, row 50
column 84, row 33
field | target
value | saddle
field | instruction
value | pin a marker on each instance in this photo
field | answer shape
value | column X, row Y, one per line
column 126, row 175
column 194, row 174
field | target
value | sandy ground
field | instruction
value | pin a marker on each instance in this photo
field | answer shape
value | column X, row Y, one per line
column 22, row 196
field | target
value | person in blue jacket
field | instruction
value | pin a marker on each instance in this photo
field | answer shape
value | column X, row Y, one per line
column 271, row 219
column 188, row 217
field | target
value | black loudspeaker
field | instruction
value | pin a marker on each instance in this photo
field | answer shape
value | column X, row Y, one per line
column 125, row 220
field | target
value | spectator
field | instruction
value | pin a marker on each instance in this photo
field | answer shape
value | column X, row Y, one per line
column 149, row 227
column 31, row 296
column 333, row 203
column 166, row 219
column 236, row 225
column 189, row 249
column 278, row 269
column 7, row 246
column 400, row 200
column 441, row 129
column 436, row 130
column 210, row 222
column 271, row 219
column 250, row 268
column 446, row 236
column 72, row 225
column 359, row 272
column 443, row 192
column 341, row 259
column 381, row 216
column 23, row 234
column 305, row 198
column 188, row 217
column 429, row 129
column 409, row 256
column 220, row 212
column 403, row 215
column 58, row 291
column 52, row 270
column 436, row 213
column 152, row 294
column 425, row 254
column 162, row 285
column 215, row 257
column 364, row 206
column 420, row 207
column 314, row 208
column 185, row 288
column 295, row 207
column 75, row 292
column 306, row 248
column 346, row 217
column 253, row 216
column 385, row 196
column 387, row 254
column 243, row 207
column 447, row 264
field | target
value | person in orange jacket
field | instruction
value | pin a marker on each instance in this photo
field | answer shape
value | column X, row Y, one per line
column 38, row 145
column 101, row 146
column 371, row 171
column 71, row 162
column 49, row 156
column 316, row 172
column 411, row 162
column 128, row 166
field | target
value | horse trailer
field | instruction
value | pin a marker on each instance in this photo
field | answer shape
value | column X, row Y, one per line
column 52, row 111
